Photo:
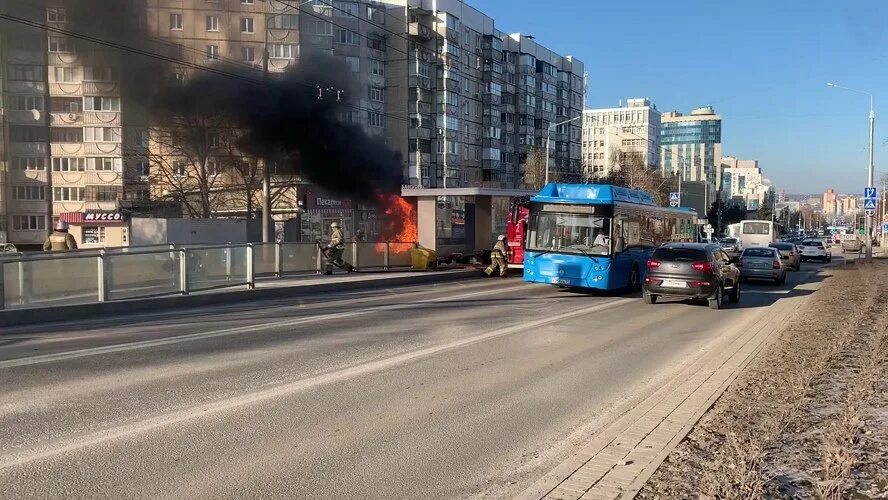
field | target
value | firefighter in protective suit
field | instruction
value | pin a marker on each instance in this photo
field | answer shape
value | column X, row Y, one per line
column 60, row 240
column 498, row 258
column 334, row 250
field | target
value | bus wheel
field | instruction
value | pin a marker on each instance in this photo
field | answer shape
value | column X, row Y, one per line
column 634, row 278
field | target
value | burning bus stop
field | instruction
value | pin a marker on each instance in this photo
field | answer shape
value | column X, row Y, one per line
column 460, row 220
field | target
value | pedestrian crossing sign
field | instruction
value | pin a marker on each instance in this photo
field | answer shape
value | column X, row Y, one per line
column 869, row 204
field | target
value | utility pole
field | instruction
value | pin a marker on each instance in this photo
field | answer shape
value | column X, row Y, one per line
column 266, row 173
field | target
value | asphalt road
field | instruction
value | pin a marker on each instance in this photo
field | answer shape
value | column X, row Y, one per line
column 461, row 389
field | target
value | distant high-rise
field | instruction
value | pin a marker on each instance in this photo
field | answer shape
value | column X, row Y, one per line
column 690, row 146
column 610, row 134
column 743, row 180
column 829, row 202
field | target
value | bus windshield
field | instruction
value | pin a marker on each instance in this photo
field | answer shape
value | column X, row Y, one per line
column 569, row 233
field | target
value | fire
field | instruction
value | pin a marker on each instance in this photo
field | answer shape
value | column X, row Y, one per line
column 400, row 218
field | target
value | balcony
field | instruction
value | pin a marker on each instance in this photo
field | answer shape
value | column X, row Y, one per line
column 65, row 119
column 15, row 87
column 101, row 118
column 101, row 88
column 496, row 165
column 65, row 89
column 422, row 82
column 492, row 99
column 419, row 133
column 27, row 148
column 24, row 117
column 420, row 31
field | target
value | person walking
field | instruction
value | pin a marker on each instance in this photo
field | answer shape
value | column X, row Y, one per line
column 335, row 249
column 498, row 258
column 60, row 240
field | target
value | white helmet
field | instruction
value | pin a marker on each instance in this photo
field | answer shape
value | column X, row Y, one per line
column 501, row 237
column 61, row 226
column 335, row 225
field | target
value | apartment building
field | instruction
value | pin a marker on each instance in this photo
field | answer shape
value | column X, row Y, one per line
column 690, row 145
column 612, row 134
column 743, row 180
column 4, row 164
column 830, row 202
column 478, row 99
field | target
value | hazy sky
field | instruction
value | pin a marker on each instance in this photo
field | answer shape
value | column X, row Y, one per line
column 763, row 65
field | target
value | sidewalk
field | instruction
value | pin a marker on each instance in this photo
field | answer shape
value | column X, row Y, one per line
column 618, row 460
column 266, row 288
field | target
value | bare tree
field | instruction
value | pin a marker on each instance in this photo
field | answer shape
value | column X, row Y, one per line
column 629, row 169
column 535, row 168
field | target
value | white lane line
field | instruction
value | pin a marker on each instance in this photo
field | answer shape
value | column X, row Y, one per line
column 131, row 346
column 66, row 445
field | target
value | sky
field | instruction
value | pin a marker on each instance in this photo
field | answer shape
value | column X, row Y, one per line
column 763, row 65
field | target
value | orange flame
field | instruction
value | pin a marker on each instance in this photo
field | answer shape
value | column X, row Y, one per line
column 400, row 215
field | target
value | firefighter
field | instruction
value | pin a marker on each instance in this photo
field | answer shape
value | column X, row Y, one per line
column 60, row 240
column 498, row 258
column 334, row 250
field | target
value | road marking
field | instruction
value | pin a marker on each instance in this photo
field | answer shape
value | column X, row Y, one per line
column 131, row 346
column 61, row 446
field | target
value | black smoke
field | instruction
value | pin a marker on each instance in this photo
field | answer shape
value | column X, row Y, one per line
column 293, row 120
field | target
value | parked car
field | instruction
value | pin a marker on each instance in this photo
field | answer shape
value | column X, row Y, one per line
column 731, row 246
column 762, row 263
column 816, row 250
column 790, row 254
column 692, row 271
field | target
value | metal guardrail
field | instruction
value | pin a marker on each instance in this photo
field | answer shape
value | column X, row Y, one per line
column 45, row 280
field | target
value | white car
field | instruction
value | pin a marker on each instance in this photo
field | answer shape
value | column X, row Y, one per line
column 815, row 250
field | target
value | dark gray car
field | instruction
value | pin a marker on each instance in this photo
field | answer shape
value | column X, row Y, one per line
column 692, row 271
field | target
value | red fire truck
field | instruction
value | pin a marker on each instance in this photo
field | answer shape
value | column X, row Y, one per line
column 516, row 229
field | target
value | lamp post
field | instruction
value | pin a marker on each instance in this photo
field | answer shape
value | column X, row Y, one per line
column 868, row 225
column 548, row 141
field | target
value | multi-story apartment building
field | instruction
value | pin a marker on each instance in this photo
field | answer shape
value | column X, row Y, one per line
column 478, row 99
column 743, row 180
column 830, row 203
column 690, row 146
column 4, row 163
column 613, row 133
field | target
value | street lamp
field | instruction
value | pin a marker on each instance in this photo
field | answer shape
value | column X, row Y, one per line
column 868, row 231
column 548, row 141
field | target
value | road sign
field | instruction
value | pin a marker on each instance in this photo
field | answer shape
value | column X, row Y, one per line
column 869, row 204
column 885, row 228
column 674, row 199
column 870, row 193
column 870, row 212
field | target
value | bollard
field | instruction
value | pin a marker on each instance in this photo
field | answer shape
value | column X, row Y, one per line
column 354, row 260
column 183, row 271
column 278, row 260
column 318, row 263
column 2, row 287
column 24, row 297
column 251, row 266
column 385, row 258
column 228, row 263
column 102, row 285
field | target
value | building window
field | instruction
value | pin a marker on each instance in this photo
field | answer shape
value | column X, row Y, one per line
column 25, row 73
column 29, row 163
column 212, row 23
column 320, row 27
column 93, row 234
column 214, row 139
column 282, row 51
column 56, row 15
column 103, row 193
column 247, row 2
column 101, row 103
column 377, row 67
column 104, row 164
column 377, row 94
column 143, row 170
column 65, row 75
column 175, row 21
column 346, row 37
column 68, row 164
column 376, row 14
column 248, row 54
column 246, row 25
column 376, row 119
column 68, row 194
column 29, row 223
column 66, row 134
column 26, row 103
column 99, row 74
column 101, row 134
column 283, row 21
column 59, row 44
column 212, row 52
column 30, row 193
column 375, row 43
column 179, row 169
column 354, row 63
column 346, row 9
column 212, row 167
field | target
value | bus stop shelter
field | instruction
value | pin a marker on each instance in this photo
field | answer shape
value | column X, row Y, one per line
column 478, row 215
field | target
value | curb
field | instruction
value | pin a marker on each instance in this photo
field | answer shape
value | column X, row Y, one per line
column 39, row 315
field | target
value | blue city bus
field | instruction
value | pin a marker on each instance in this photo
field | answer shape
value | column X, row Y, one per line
column 598, row 236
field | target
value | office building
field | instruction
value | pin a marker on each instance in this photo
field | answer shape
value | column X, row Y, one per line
column 690, row 145
column 613, row 136
column 849, row 205
column 830, row 205
column 478, row 99
column 743, row 180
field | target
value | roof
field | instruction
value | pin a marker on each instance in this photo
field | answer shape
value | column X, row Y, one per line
column 591, row 194
column 411, row 192
column 692, row 246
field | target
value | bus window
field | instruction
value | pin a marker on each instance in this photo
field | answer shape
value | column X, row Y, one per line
column 569, row 233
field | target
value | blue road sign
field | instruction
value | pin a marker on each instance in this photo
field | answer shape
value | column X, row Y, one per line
column 674, row 196
column 885, row 228
column 870, row 193
column 869, row 204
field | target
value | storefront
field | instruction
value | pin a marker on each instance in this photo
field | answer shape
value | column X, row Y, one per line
column 98, row 229
column 322, row 209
